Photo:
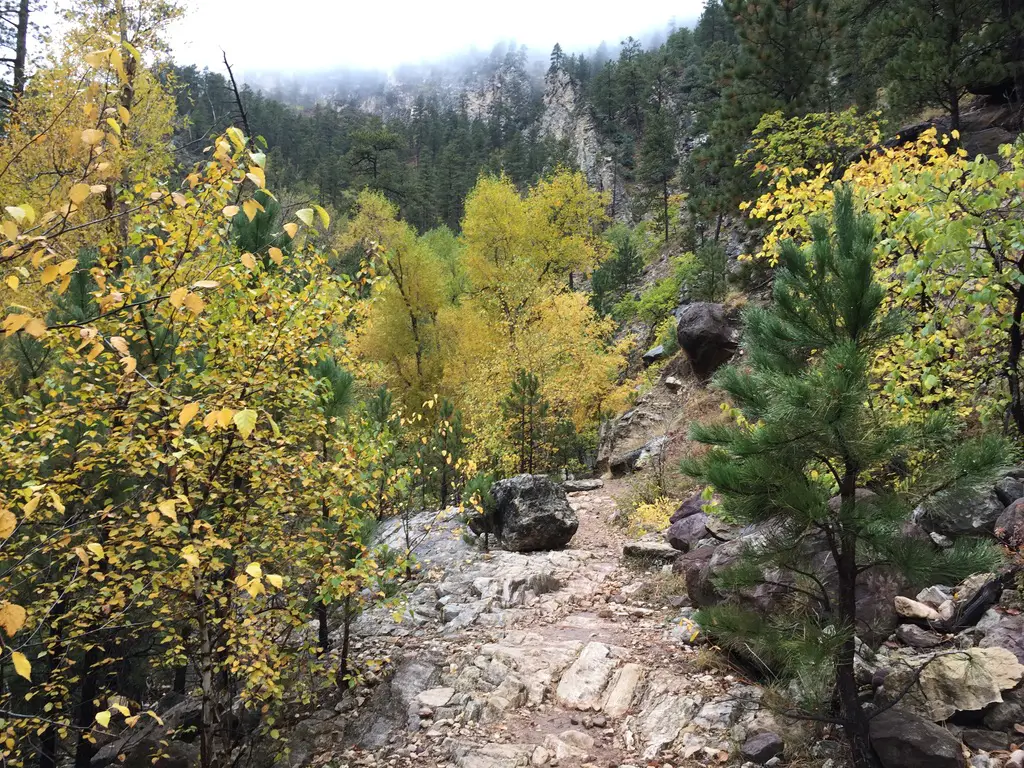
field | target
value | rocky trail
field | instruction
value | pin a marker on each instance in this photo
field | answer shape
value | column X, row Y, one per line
column 558, row 658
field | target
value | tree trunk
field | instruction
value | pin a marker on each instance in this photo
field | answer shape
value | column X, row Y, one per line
column 954, row 110
column 856, row 721
column 664, row 195
column 21, row 49
column 1013, row 360
column 346, row 632
column 86, row 750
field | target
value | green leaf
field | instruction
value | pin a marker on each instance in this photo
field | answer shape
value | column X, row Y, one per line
column 245, row 421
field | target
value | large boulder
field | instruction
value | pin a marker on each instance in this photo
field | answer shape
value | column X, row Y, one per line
column 706, row 335
column 1003, row 630
column 168, row 743
column 955, row 516
column 532, row 514
column 904, row 740
column 937, row 686
column 876, row 587
column 692, row 566
column 1010, row 524
column 685, row 533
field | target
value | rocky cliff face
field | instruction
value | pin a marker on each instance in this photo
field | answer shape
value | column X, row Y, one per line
column 566, row 117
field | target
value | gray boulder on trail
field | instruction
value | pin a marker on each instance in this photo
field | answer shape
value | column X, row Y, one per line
column 706, row 335
column 532, row 514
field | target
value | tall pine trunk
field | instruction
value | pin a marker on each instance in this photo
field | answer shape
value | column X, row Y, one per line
column 856, row 721
column 21, row 49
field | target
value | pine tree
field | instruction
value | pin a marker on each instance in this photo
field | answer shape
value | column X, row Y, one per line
column 807, row 435
column 932, row 51
column 526, row 410
column 658, row 161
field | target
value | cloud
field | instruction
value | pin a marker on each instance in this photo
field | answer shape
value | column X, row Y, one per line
column 306, row 35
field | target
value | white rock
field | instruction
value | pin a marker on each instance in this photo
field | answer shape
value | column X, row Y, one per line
column 583, row 683
column 436, row 697
column 912, row 609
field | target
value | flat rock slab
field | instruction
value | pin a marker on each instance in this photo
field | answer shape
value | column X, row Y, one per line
column 583, row 683
column 650, row 552
column 494, row 756
column 435, row 697
column 579, row 486
column 619, row 698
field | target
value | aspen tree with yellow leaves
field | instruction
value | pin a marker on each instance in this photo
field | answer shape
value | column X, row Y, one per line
column 176, row 494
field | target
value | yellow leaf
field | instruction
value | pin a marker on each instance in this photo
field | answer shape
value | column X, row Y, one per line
column 257, row 176
column 103, row 718
column 12, row 618
column 251, row 208
column 188, row 554
column 187, row 414
column 254, row 570
column 8, row 522
column 291, row 228
column 67, row 267
column 96, row 58
column 305, row 215
column 194, row 303
column 95, row 548
column 35, row 327
column 166, row 508
column 51, row 273
column 120, row 343
column 153, row 518
column 255, row 587
column 178, row 296
column 32, row 504
column 13, row 282
column 245, row 421
column 130, row 364
column 79, row 193
column 92, row 136
column 224, row 416
column 93, row 353
column 21, row 665
column 236, row 136
column 248, row 261
column 17, row 213
column 275, row 580
column 206, row 284
column 325, row 218
column 124, row 114
column 230, row 211
column 57, row 504
column 275, row 254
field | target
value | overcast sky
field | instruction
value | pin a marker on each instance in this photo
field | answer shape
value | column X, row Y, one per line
column 378, row 34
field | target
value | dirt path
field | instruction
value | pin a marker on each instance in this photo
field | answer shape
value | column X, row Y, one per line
column 549, row 659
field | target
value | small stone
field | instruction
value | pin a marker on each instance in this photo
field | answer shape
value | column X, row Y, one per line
column 678, row 601
column 762, row 747
column 943, row 542
column 600, row 721
column 912, row 609
column 985, row 740
column 426, row 712
column 540, row 757
column 1016, row 760
column 916, row 637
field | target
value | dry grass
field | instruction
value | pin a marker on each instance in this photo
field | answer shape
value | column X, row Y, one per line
column 659, row 587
